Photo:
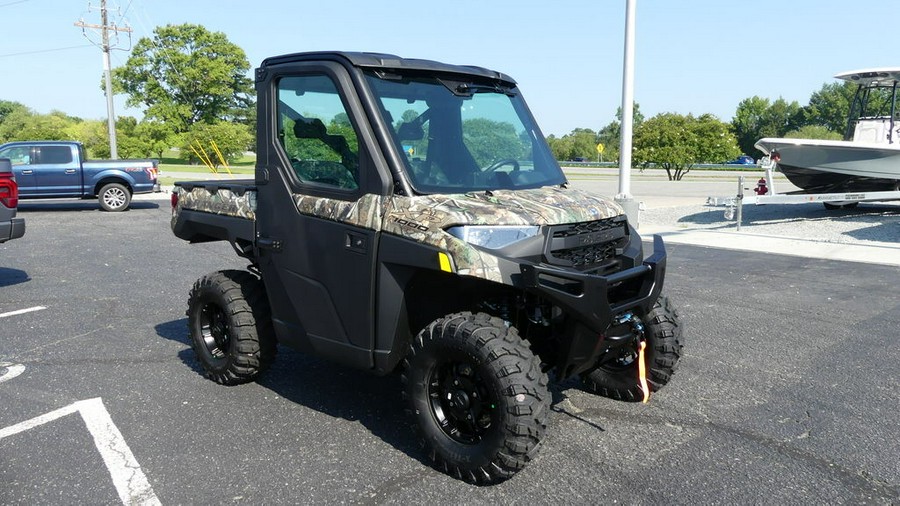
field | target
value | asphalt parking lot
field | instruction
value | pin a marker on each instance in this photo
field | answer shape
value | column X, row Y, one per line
column 786, row 392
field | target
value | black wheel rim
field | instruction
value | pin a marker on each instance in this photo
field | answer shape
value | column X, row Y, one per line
column 214, row 331
column 625, row 360
column 461, row 402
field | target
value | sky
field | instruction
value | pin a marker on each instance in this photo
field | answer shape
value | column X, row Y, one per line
column 691, row 56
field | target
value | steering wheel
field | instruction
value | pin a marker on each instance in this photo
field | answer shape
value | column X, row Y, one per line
column 500, row 163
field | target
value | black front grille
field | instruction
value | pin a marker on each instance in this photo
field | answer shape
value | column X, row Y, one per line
column 587, row 245
column 588, row 256
column 587, row 227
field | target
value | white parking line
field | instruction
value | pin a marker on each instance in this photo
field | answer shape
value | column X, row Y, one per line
column 12, row 370
column 22, row 311
column 129, row 480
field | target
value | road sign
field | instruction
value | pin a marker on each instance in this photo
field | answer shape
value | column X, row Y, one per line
column 600, row 148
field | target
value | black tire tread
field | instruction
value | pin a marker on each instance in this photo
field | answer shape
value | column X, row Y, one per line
column 665, row 342
column 516, row 369
column 247, row 307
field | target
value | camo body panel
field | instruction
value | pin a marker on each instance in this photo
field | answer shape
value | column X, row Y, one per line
column 366, row 212
column 424, row 218
column 221, row 201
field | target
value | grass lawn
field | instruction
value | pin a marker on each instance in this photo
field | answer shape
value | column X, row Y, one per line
column 172, row 162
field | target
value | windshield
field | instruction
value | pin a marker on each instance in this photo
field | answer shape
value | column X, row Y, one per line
column 458, row 136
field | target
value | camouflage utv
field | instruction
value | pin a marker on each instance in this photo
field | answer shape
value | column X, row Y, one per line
column 407, row 215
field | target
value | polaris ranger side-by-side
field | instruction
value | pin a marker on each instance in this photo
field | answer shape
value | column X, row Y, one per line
column 408, row 215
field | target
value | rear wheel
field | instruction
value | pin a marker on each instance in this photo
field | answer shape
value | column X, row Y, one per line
column 114, row 197
column 477, row 396
column 618, row 378
column 231, row 326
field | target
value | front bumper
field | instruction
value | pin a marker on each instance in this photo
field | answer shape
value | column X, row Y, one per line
column 594, row 300
column 591, row 303
column 13, row 229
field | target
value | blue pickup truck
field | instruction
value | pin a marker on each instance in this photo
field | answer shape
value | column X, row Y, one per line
column 58, row 169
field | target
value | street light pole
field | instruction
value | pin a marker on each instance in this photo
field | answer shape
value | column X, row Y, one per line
column 624, row 197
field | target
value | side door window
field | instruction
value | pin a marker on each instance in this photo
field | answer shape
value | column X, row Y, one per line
column 18, row 155
column 21, row 158
column 54, row 155
column 316, row 133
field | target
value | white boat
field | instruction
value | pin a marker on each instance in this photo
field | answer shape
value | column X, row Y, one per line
column 868, row 160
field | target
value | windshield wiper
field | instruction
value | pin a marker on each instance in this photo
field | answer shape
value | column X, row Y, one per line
column 464, row 89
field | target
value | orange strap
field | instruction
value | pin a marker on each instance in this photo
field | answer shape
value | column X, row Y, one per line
column 642, row 372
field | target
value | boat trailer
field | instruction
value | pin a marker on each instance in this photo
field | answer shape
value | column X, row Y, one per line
column 765, row 194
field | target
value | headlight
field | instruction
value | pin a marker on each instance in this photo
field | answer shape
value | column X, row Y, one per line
column 493, row 237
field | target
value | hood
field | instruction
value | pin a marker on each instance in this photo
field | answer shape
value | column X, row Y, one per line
column 539, row 206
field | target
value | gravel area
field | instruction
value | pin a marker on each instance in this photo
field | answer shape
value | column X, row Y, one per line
column 869, row 223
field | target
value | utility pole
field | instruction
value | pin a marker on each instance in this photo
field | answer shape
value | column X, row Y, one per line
column 105, row 28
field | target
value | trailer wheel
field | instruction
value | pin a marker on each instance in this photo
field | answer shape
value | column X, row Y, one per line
column 114, row 197
column 832, row 206
column 618, row 379
column 230, row 326
column 477, row 397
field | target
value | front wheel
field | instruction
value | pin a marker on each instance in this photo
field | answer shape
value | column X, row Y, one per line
column 477, row 395
column 114, row 197
column 230, row 325
column 617, row 378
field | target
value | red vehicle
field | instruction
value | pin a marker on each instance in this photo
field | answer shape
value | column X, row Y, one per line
column 10, row 226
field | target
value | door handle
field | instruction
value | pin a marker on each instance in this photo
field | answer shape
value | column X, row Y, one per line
column 27, row 172
column 269, row 243
column 70, row 171
column 355, row 242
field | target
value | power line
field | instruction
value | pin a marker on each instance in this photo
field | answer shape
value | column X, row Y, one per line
column 123, row 13
column 13, row 3
column 44, row 50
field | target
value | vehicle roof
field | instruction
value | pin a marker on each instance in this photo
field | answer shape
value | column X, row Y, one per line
column 35, row 143
column 881, row 76
column 387, row 61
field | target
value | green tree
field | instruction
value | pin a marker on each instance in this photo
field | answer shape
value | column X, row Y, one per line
column 780, row 118
column 490, row 141
column 676, row 142
column 814, row 132
column 185, row 75
column 136, row 140
column 611, row 135
column 579, row 143
column 830, row 105
column 155, row 137
column 24, row 125
column 757, row 117
column 8, row 107
column 93, row 134
column 232, row 140
column 559, row 146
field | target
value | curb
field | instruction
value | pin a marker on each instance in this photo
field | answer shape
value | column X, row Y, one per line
column 874, row 253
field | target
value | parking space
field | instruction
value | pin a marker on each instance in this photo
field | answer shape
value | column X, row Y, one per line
column 787, row 380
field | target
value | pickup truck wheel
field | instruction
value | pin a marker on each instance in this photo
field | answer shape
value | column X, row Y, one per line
column 477, row 395
column 230, row 325
column 114, row 197
column 618, row 379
